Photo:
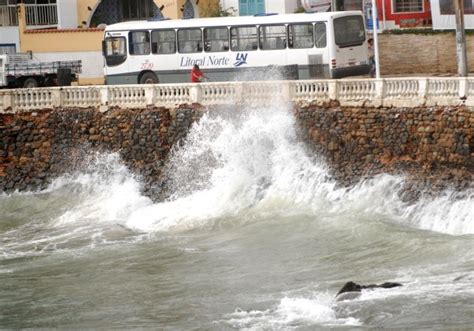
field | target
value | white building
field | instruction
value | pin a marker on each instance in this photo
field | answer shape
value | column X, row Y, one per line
column 252, row 7
column 40, row 14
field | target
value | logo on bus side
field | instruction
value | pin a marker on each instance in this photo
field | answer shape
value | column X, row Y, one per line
column 240, row 59
column 212, row 60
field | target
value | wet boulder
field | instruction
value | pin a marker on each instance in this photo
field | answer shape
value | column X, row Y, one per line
column 352, row 290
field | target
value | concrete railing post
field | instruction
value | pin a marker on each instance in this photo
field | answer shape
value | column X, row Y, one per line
column 195, row 93
column 379, row 93
column 239, row 93
column 287, row 91
column 56, row 97
column 463, row 86
column 150, row 95
column 104, row 98
column 422, row 91
column 333, row 89
column 8, row 100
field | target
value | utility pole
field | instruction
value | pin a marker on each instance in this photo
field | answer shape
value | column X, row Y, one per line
column 376, row 39
column 460, row 38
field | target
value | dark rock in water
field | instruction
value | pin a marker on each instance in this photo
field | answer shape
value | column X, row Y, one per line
column 351, row 287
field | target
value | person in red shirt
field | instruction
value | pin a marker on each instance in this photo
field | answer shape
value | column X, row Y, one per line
column 197, row 75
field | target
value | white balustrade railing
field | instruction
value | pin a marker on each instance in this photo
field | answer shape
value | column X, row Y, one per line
column 220, row 93
column 128, row 96
column 313, row 90
column 33, row 98
column 388, row 92
column 81, row 96
column 171, row 95
column 355, row 91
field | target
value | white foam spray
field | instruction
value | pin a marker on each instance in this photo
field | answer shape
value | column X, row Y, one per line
column 242, row 165
column 290, row 312
column 249, row 163
column 80, row 209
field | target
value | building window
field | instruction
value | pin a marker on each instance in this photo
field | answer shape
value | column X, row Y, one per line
column 137, row 9
column 7, row 49
column 404, row 6
column 342, row 5
column 251, row 7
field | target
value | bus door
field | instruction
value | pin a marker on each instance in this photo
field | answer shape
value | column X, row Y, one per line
column 165, row 59
column 114, row 49
column 141, row 66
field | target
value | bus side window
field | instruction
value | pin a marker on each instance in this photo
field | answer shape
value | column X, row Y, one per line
column 189, row 40
column 216, row 39
column 244, row 38
column 163, row 42
column 139, row 42
column 272, row 37
column 320, row 34
column 301, row 35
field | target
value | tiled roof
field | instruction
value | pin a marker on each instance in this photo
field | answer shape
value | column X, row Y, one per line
column 64, row 30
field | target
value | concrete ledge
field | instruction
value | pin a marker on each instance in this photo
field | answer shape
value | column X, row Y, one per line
column 387, row 92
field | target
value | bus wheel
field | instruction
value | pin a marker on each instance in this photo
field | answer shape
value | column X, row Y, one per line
column 30, row 83
column 148, row 78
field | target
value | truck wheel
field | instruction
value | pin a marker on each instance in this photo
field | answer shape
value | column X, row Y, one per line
column 148, row 78
column 30, row 83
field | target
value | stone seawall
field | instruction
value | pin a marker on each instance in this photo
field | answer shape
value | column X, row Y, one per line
column 36, row 147
column 433, row 145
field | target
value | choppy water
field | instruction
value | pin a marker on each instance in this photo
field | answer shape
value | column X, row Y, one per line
column 256, row 236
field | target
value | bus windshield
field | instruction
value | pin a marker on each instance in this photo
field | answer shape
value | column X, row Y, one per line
column 349, row 31
column 115, row 51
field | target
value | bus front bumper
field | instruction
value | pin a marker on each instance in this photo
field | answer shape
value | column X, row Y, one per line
column 359, row 70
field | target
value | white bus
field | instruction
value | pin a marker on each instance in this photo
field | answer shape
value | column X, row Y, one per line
column 301, row 46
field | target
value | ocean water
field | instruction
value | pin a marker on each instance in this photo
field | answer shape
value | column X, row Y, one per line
column 255, row 236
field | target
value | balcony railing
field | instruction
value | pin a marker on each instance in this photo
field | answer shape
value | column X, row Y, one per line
column 36, row 15
column 8, row 16
column 41, row 14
